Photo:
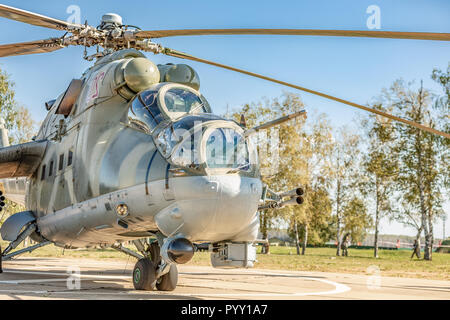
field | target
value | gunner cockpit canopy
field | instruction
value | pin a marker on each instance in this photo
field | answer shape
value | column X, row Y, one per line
column 164, row 102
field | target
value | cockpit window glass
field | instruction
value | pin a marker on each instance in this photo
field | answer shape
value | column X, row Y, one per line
column 226, row 148
column 144, row 113
column 171, row 135
column 154, row 106
column 182, row 100
column 187, row 153
column 189, row 122
column 149, row 99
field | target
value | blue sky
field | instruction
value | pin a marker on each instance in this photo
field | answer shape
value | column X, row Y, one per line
column 350, row 68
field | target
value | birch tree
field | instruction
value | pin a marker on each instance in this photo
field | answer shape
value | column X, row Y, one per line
column 442, row 104
column 317, row 209
column 380, row 165
column 343, row 175
column 421, row 173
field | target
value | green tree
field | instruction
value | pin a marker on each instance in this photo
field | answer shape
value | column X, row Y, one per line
column 317, row 230
column 256, row 114
column 443, row 78
column 300, row 155
column 20, row 125
column 381, row 168
column 421, row 157
column 293, row 153
column 409, row 215
column 17, row 118
column 442, row 103
column 343, row 173
column 317, row 207
column 356, row 220
column 8, row 104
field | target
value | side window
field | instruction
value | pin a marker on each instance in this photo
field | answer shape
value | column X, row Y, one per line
column 144, row 113
column 50, row 169
column 149, row 99
column 69, row 158
column 43, row 172
column 61, row 162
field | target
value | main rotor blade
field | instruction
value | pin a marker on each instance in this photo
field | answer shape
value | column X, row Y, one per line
column 39, row 46
column 298, row 32
column 182, row 55
column 36, row 19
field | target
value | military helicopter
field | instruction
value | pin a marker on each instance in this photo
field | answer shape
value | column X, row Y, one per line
column 131, row 151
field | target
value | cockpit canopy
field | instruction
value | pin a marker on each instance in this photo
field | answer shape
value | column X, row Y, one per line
column 187, row 134
column 164, row 102
column 206, row 141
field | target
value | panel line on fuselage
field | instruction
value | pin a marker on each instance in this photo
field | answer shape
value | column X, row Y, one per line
column 167, row 176
column 148, row 171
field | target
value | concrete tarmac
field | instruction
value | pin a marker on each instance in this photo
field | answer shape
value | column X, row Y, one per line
column 50, row 278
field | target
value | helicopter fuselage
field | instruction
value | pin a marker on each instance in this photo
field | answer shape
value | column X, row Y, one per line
column 102, row 180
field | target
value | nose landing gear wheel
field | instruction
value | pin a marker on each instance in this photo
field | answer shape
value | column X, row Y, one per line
column 144, row 275
column 168, row 282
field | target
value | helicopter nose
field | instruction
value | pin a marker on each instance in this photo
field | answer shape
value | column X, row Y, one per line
column 213, row 208
column 236, row 207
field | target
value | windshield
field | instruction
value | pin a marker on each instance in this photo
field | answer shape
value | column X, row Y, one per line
column 182, row 100
column 171, row 135
column 144, row 113
column 204, row 141
column 226, row 148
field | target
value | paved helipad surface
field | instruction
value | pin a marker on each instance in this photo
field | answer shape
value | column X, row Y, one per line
column 47, row 278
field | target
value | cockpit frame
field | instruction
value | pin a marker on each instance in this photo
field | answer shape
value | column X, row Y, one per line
column 176, row 115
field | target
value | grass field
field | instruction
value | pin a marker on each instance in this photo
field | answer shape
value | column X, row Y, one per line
column 391, row 262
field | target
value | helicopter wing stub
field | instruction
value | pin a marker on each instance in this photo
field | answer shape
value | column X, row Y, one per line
column 182, row 55
column 297, row 32
column 36, row 19
column 21, row 160
column 39, row 46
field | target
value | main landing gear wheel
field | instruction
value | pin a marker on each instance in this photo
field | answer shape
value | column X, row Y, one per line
column 168, row 282
column 144, row 275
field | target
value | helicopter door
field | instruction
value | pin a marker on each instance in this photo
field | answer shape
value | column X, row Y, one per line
column 59, row 173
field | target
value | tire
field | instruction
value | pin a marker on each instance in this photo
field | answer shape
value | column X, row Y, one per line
column 168, row 282
column 144, row 275
column 155, row 253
